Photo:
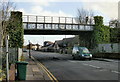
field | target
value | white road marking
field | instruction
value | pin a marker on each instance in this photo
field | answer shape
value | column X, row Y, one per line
column 72, row 61
column 86, row 64
column 100, row 67
column 92, row 66
column 95, row 66
column 103, row 70
column 116, row 72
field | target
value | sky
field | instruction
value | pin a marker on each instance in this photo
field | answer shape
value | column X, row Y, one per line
column 67, row 8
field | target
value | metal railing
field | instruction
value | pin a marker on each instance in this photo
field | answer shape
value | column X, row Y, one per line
column 12, row 55
column 50, row 19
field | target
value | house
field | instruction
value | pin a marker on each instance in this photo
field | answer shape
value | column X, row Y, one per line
column 58, row 45
column 114, row 23
column 38, row 46
column 25, row 47
column 48, row 46
column 33, row 46
column 63, row 45
column 47, row 43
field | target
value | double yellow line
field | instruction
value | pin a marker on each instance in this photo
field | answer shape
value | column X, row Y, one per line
column 50, row 75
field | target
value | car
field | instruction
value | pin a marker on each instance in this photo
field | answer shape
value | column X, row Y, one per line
column 81, row 53
column 24, row 50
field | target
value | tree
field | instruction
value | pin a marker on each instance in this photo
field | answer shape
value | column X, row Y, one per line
column 101, row 33
column 84, row 16
column 115, row 35
column 16, row 30
column 11, row 24
column 115, row 30
column 5, row 8
column 98, row 20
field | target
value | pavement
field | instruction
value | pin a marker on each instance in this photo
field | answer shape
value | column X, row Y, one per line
column 107, row 60
column 34, row 70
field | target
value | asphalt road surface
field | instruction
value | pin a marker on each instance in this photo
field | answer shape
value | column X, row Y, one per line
column 63, row 67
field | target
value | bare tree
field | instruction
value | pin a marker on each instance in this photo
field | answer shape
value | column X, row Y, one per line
column 5, row 9
column 91, row 17
column 84, row 16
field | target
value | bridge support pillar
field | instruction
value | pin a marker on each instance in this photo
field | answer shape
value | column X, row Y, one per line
column 85, row 39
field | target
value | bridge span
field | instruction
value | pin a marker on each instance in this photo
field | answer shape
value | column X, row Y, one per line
column 48, row 25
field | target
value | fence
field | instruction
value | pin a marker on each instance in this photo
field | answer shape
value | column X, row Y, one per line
column 107, row 51
column 13, row 52
column 14, row 55
column 108, row 48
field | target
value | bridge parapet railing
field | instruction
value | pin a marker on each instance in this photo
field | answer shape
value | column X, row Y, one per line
column 50, row 19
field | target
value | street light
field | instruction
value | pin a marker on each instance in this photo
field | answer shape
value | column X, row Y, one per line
column 7, row 61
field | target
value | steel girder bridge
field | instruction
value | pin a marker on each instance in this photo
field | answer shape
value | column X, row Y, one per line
column 47, row 25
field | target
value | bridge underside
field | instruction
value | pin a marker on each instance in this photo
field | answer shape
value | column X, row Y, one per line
column 53, row 32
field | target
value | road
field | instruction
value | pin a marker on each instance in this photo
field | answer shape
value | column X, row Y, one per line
column 63, row 67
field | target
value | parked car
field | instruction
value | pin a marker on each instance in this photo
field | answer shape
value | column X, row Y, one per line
column 81, row 53
column 24, row 50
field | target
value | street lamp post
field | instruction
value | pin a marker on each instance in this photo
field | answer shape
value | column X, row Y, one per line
column 43, row 40
column 7, row 61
